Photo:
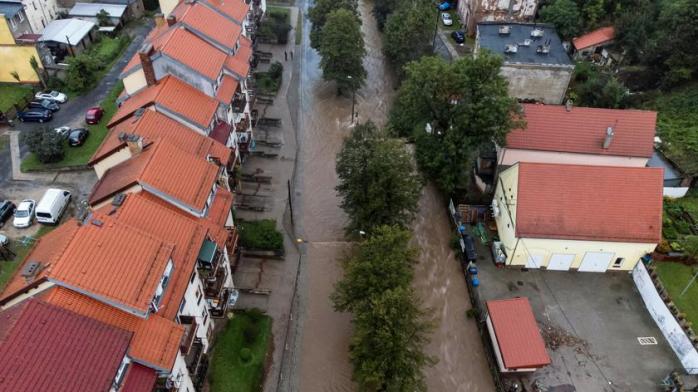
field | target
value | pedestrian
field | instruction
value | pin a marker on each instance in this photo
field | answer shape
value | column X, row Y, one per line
column 286, row 56
column 291, row 55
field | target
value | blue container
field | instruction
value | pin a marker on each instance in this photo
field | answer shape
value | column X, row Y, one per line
column 475, row 281
column 472, row 270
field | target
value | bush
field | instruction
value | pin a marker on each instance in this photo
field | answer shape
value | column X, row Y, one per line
column 270, row 82
column 245, row 354
column 261, row 235
column 276, row 25
column 46, row 144
column 81, row 73
column 276, row 70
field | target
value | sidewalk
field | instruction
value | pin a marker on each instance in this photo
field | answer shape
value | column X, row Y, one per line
column 17, row 174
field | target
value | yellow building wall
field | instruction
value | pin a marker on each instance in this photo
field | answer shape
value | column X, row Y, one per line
column 111, row 161
column 518, row 250
column 15, row 58
column 134, row 82
column 6, row 37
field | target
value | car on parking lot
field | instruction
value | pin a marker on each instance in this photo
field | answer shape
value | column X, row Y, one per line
column 77, row 136
column 44, row 104
column 458, row 36
column 52, row 96
column 444, row 6
column 93, row 115
column 446, row 19
column 7, row 208
column 35, row 115
column 62, row 131
column 24, row 215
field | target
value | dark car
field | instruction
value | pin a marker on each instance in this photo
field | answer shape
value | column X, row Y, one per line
column 458, row 36
column 93, row 115
column 7, row 209
column 470, row 252
column 77, row 136
column 35, row 115
column 44, row 104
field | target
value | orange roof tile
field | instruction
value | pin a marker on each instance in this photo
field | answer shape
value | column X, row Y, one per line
column 194, row 52
column 227, row 89
column 114, row 262
column 596, row 37
column 174, row 95
column 218, row 215
column 187, row 235
column 234, row 9
column 152, row 125
column 593, row 203
column 204, row 20
column 155, row 340
column 239, row 63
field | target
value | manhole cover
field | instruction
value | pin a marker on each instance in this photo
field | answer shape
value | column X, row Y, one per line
column 646, row 341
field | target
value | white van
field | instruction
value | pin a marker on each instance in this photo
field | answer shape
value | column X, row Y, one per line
column 52, row 205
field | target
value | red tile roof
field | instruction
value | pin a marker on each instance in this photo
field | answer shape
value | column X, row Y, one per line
column 46, row 348
column 221, row 132
column 235, row 9
column 162, row 166
column 139, row 379
column 583, row 130
column 152, row 125
column 594, row 203
column 175, row 96
column 155, row 341
column 596, row 37
column 239, row 63
column 518, row 337
column 227, row 89
column 206, row 21
column 187, row 235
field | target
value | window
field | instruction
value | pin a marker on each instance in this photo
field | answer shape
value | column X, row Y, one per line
column 618, row 263
column 181, row 306
column 205, row 315
column 121, row 373
column 193, row 276
column 20, row 16
column 13, row 24
column 198, row 296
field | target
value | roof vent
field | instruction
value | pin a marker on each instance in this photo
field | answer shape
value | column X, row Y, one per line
column 118, row 200
column 504, row 30
column 511, row 48
column 526, row 42
column 568, row 105
column 609, row 138
column 543, row 49
column 537, row 32
column 97, row 222
column 139, row 112
column 31, row 269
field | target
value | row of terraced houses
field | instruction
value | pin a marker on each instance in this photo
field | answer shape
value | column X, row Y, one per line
column 125, row 297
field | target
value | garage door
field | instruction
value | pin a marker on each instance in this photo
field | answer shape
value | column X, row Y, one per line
column 596, row 261
column 560, row 262
column 534, row 261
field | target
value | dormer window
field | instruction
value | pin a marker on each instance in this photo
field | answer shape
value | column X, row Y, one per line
column 159, row 293
column 121, row 373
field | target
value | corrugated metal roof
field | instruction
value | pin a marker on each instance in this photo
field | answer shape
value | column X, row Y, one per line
column 92, row 9
column 62, row 30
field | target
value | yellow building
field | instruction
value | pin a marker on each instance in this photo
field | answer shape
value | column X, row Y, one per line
column 575, row 217
column 15, row 57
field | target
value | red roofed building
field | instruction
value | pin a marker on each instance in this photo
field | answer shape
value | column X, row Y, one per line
column 586, row 218
column 518, row 344
column 594, row 42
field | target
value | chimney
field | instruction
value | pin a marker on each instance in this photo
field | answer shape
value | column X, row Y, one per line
column 159, row 19
column 147, row 64
column 568, row 105
column 171, row 20
column 134, row 143
column 609, row 138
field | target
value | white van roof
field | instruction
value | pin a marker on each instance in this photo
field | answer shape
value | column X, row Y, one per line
column 49, row 198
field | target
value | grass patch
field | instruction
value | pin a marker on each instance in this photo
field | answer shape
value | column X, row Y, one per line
column 261, row 234
column 299, row 28
column 675, row 277
column 11, row 94
column 275, row 26
column 268, row 83
column 77, row 156
column 7, row 268
column 237, row 363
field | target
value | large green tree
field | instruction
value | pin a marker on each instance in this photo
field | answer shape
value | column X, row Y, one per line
column 317, row 14
column 676, row 40
column 635, row 28
column 564, row 14
column 45, row 143
column 342, row 50
column 407, row 33
column 465, row 104
column 382, row 9
column 377, row 181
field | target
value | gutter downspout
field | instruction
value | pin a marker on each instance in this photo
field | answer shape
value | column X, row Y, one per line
column 514, row 252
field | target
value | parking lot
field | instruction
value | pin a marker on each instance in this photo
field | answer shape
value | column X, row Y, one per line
column 591, row 324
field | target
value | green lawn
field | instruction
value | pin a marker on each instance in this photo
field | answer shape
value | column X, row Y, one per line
column 11, row 94
column 248, row 333
column 7, row 268
column 77, row 156
column 675, row 277
column 299, row 28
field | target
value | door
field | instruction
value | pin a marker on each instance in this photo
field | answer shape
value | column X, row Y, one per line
column 534, row 261
column 560, row 262
column 596, row 261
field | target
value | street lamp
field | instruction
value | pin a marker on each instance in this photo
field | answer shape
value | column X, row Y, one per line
column 353, row 98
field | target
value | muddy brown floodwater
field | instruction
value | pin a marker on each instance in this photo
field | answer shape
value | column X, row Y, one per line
column 324, row 121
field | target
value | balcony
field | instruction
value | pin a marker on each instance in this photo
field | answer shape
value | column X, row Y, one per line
column 243, row 124
column 218, row 306
column 190, row 327
column 209, row 259
column 232, row 246
column 239, row 102
column 196, row 360
column 213, row 283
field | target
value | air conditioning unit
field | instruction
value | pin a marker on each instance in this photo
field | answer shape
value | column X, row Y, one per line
column 537, row 33
column 504, row 30
column 511, row 48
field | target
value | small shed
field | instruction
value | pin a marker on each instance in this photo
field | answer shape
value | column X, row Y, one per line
column 89, row 11
column 134, row 8
column 518, row 344
column 594, row 43
column 73, row 35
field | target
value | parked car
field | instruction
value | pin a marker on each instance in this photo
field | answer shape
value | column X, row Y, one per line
column 93, row 115
column 445, row 6
column 35, row 115
column 52, row 206
column 458, row 36
column 44, row 104
column 52, row 96
column 446, row 19
column 24, row 215
column 63, row 131
column 4, row 241
column 7, row 208
column 77, row 137
column 470, row 252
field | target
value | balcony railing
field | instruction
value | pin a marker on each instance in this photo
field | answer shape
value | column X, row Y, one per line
column 232, row 247
column 214, row 283
column 220, row 305
column 243, row 124
column 190, row 328
column 193, row 359
column 239, row 102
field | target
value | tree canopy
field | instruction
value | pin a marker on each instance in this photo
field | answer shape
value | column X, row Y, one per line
column 407, row 33
column 564, row 14
column 466, row 105
column 46, row 144
column 317, row 14
column 342, row 50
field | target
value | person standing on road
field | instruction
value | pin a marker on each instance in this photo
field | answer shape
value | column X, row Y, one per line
column 286, row 56
column 291, row 55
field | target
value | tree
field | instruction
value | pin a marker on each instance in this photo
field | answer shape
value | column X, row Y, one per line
column 382, row 9
column 15, row 75
column 39, row 72
column 103, row 18
column 635, row 28
column 675, row 40
column 377, row 181
column 342, row 50
column 564, row 14
column 593, row 11
column 46, row 144
column 466, row 105
column 80, row 74
column 407, row 33
column 317, row 14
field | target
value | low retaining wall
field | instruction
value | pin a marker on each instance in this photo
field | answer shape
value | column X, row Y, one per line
column 672, row 331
